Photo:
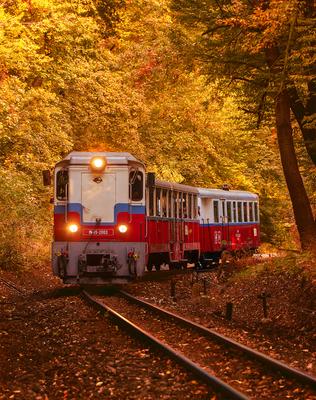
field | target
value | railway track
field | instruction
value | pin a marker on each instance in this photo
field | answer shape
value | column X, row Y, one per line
column 245, row 373
column 221, row 387
column 167, row 274
column 11, row 286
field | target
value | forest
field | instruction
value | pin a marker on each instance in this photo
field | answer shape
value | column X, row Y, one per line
column 204, row 92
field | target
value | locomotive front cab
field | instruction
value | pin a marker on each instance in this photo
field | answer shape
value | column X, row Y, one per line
column 99, row 218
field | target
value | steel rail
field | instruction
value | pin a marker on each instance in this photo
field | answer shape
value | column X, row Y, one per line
column 271, row 362
column 222, row 387
column 10, row 285
column 167, row 273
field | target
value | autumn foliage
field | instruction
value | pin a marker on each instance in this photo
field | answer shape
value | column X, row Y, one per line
column 130, row 76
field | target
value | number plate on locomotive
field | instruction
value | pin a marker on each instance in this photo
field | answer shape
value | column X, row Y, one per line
column 98, row 232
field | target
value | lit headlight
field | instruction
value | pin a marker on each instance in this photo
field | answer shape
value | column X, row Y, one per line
column 122, row 228
column 73, row 228
column 98, row 164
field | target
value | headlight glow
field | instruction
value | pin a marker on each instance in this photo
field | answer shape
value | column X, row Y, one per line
column 73, row 228
column 98, row 163
column 122, row 228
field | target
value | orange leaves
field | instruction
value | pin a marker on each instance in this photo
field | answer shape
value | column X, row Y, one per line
column 260, row 26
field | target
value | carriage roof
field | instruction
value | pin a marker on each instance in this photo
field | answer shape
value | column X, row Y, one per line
column 227, row 194
column 176, row 186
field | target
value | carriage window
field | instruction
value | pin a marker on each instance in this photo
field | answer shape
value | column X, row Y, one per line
column 229, row 211
column 223, row 212
column 151, row 201
column 251, row 211
column 158, row 202
column 256, row 212
column 175, row 204
column 245, row 212
column 239, row 211
column 61, row 185
column 136, row 185
column 180, row 205
column 185, row 205
column 190, row 206
column 234, row 212
column 163, row 203
column 169, row 203
column 216, row 211
column 196, row 209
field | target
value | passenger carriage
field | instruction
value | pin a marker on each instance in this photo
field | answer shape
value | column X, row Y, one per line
column 229, row 222
column 173, row 225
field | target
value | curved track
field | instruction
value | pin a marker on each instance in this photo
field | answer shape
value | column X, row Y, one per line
column 270, row 362
column 224, row 389
column 180, row 332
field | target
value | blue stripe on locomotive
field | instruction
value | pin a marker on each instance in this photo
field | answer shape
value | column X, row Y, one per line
column 118, row 208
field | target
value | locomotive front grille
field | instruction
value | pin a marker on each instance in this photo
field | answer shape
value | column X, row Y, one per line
column 97, row 263
column 96, row 259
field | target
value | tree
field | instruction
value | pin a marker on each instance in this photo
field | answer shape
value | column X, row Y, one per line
column 191, row 131
column 259, row 45
column 110, row 75
column 52, row 62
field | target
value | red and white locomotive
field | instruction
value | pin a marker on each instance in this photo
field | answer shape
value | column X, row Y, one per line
column 111, row 219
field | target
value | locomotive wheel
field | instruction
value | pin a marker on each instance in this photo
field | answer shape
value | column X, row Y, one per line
column 184, row 265
column 62, row 265
column 171, row 265
column 174, row 265
column 226, row 257
column 151, row 262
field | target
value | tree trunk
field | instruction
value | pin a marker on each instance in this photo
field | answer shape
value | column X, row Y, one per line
column 300, row 202
column 304, row 116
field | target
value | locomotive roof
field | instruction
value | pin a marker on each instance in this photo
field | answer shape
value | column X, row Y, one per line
column 227, row 194
column 83, row 158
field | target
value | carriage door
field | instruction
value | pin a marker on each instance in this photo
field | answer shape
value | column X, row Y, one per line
column 173, row 225
column 98, row 198
column 224, row 227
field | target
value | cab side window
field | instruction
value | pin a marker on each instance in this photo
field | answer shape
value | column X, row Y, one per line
column 61, row 185
column 136, row 184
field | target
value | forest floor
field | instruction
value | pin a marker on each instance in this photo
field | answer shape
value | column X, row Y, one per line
column 53, row 346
